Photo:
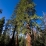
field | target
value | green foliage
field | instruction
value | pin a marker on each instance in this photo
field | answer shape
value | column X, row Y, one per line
column 39, row 41
column 24, row 13
column 21, row 41
column 4, row 39
column 2, row 21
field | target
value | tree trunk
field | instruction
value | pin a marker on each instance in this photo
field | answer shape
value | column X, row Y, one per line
column 17, row 42
column 12, row 41
column 28, row 40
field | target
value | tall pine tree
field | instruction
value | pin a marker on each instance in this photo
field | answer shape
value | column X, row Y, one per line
column 25, row 16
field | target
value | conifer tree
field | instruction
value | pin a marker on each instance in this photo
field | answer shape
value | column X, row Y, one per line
column 25, row 16
column 2, row 21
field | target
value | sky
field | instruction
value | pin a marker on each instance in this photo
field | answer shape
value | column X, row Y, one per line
column 8, row 6
column 40, row 6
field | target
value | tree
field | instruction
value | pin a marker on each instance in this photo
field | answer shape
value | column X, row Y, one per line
column 2, row 21
column 22, row 41
column 24, row 15
column 44, row 23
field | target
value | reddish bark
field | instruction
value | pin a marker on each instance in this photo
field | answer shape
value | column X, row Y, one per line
column 28, row 36
column 17, row 41
column 28, row 40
